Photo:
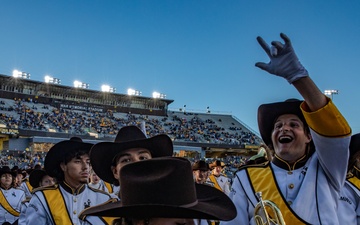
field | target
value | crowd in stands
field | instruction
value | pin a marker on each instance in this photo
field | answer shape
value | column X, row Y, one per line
column 28, row 114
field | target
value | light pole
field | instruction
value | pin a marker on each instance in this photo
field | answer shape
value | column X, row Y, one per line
column 331, row 93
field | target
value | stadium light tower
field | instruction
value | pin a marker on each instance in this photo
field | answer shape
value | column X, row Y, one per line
column 331, row 93
column 51, row 80
column 158, row 95
column 19, row 74
column 131, row 91
column 79, row 84
column 107, row 88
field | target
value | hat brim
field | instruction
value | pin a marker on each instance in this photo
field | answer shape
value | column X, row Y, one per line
column 56, row 154
column 268, row 113
column 103, row 153
column 212, row 204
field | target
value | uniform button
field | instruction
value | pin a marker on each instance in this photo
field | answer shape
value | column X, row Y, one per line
column 289, row 202
column 291, row 186
column 75, row 200
column 74, row 212
column 290, row 172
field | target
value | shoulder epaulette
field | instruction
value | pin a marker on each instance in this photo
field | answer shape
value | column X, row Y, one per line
column 260, row 165
column 52, row 187
column 98, row 190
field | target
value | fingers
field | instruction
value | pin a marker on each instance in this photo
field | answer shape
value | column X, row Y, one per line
column 285, row 38
column 264, row 45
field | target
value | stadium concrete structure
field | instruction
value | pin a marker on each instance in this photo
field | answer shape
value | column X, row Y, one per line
column 35, row 115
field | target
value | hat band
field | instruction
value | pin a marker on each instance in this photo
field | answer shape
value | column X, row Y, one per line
column 190, row 205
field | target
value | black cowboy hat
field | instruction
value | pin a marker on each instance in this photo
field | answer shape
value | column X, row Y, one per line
column 200, row 165
column 35, row 177
column 354, row 148
column 164, row 188
column 216, row 163
column 56, row 154
column 268, row 113
column 103, row 153
column 6, row 169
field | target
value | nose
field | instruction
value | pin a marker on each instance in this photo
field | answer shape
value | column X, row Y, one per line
column 285, row 128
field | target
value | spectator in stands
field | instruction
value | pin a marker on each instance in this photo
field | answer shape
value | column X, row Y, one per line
column 10, row 197
column 69, row 162
column 310, row 139
column 162, row 191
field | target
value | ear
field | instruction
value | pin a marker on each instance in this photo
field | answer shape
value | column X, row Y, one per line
column 63, row 166
column 115, row 172
column 309, row 138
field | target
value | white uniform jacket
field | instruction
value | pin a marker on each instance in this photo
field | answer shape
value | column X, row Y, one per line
column 14, row 197
column 311, row 190
column 70, row 204
column 349, row 204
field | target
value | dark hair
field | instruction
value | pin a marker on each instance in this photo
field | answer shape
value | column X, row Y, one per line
column 66, row 159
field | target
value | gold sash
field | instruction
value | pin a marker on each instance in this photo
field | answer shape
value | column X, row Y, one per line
column 5, row 204
column 355, row 181
column 216, row 184
column 262, row 180
column 109, row 187
column 57, row 206
column 28, row 186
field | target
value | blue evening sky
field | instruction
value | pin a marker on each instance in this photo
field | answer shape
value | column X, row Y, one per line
column 200, row 53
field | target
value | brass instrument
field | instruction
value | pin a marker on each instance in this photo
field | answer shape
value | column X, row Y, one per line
column 260, row 211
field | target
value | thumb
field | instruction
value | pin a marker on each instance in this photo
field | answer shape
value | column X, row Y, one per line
column 263, row 66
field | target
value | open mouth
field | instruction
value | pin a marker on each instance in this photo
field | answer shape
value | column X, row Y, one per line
column 285, row 139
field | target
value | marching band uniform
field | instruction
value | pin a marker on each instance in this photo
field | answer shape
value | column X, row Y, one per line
column 26, row 187
column 10, row 200
column 220, row 182
column 308, row 192
column 60, row 204
column 349, row 202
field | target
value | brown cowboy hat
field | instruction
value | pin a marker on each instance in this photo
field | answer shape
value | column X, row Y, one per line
column 6, row 169
column 56, row 154
column 268, row 113
column 354, row 148
column 200, row 165
column 103, row 153
column 164, row 188
column 216, row 163
column 35, row 177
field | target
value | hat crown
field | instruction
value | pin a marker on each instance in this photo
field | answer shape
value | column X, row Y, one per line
column 200, row 165
column 158, row 181
column 129, row 133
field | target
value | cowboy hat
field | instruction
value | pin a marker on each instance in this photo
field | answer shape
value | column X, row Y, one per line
column 268, row 113
column 164, row 188
column 56, row 154
column 354, row 148
column 103, row 153
column 35, row 177
column 6, row 169
column 216, row 163
column 200, row 165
